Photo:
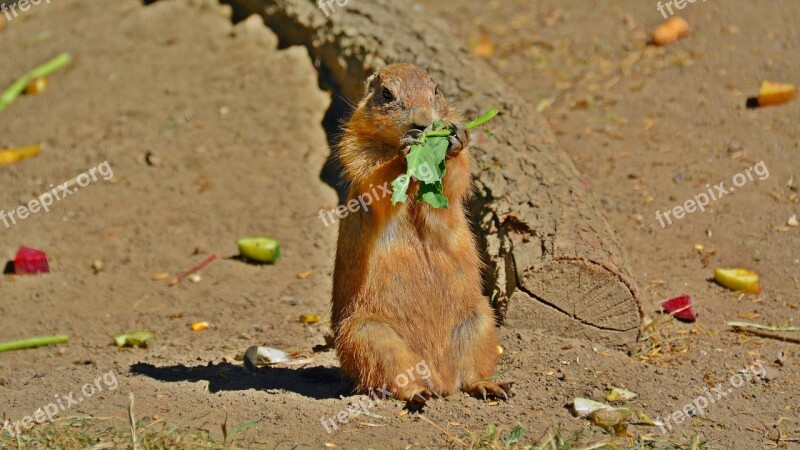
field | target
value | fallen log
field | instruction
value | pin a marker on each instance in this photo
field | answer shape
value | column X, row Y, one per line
column 553, row 261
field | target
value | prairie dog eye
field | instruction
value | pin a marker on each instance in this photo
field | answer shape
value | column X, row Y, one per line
column 438, row 91
column 387, row 95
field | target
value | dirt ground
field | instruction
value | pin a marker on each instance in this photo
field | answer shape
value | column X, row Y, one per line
column 213, row 133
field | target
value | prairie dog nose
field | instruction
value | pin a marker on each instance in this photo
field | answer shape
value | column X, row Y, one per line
column 421, row 118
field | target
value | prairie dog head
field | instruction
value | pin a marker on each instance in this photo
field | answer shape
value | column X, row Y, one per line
column 402, row 97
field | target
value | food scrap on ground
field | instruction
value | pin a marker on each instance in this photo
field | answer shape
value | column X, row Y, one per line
column 771, row 93
column 256, row 356
column 13, row 155
column 743, row 280
column 260, row 249
column 670, row 31
column 33, row 342
column 618, row 394
column 30, row 261
column 199, row 326
column 681, row 308
column 18, row 87
column 137, row 339
column 36, row 86
column 310, row 318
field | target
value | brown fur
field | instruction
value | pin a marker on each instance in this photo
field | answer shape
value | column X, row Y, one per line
column 407, row 281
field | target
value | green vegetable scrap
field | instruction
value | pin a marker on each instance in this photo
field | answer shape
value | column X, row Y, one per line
column 426, row 163
column 18, row 87
column 137, row 339
column 33, row 342
column 260, row 249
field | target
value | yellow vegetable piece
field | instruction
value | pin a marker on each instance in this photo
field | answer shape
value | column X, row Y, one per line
column 12, row 155
column 776, row 93
column 738, row 280
column 310, row 318
column 199, row 326
column 304, row 275
column 37, row 86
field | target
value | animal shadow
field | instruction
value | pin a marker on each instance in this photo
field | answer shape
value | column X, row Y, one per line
column 314, row 382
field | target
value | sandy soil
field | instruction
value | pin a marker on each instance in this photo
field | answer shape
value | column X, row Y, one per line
column 213, row 133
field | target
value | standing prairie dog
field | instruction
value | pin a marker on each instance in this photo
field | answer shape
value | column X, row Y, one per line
column 407, row 281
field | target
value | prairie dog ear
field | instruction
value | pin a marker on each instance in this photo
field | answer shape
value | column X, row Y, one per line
column 369, row 86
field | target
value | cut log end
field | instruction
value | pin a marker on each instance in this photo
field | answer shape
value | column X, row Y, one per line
column 576, row 298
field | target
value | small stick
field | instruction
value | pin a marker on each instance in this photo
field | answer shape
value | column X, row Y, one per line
column 194, row 269
column 447, row 433
column 762, row 327
column 770, row 335
column 132, row 419
column 33, row 342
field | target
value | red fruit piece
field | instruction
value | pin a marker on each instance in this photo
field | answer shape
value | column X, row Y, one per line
column 30, row 261
column 681, row 308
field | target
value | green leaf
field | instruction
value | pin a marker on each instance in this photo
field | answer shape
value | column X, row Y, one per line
column 243, row 427
column 488, row 436
column 513, row 437
column 425, row 161
column 399, row 189
column 433, row 194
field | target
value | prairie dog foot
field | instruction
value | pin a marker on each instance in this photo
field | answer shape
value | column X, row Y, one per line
column 410, row 138
column 489, row 390
column 459, row 140
column 420, row 399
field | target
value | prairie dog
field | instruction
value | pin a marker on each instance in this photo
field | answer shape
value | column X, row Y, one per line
column 407, row 279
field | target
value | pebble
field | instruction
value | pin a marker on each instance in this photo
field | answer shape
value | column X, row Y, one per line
column 608, row 202
column 195, row 278
column 566, row 375
column 734, row 146
column 770, row 374
column 152, row 159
